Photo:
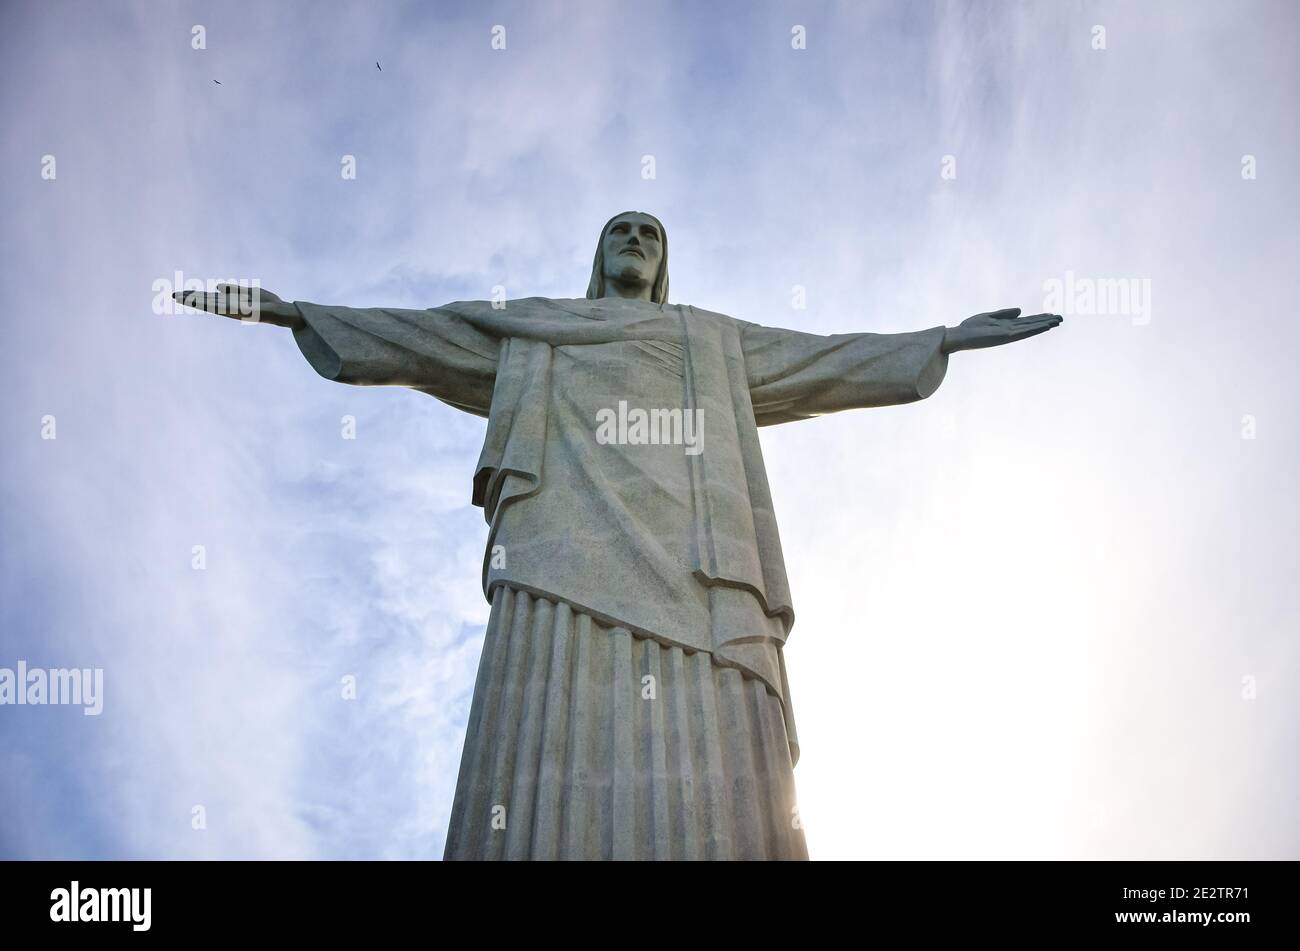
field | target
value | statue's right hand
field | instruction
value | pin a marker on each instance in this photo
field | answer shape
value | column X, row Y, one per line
column 253, row 304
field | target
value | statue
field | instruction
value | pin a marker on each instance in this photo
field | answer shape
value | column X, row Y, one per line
column 631, row 700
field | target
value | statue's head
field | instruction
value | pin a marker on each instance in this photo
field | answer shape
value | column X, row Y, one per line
column 631, row 257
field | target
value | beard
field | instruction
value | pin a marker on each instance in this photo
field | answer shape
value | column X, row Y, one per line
column 631, row 272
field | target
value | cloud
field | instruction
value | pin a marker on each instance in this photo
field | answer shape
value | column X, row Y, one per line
column 1064, row 563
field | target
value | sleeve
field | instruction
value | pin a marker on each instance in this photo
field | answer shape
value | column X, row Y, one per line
column 794, row 375
column 434, row 351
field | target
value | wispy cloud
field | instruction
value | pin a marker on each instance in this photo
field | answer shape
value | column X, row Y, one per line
column 1063, row 564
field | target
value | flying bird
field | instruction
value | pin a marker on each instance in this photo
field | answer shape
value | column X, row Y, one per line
column 217, row 81
column 378, row 67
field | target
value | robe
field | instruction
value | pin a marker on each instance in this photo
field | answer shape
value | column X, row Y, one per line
column 667, row 549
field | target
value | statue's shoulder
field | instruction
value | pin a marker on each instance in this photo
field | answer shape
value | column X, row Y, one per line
column 558, row 305
column 529, row 305
column 496, row 304
column 602, row 308
column 606, row 308
column 702, row 314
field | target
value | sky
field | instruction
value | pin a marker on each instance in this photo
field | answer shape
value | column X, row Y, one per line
column 1045, row 613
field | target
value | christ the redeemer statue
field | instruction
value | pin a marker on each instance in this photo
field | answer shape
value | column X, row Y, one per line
column 631, row 699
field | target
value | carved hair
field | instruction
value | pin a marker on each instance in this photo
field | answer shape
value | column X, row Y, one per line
column 659, row 290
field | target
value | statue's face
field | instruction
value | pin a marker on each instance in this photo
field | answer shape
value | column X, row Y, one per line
column 633, row 250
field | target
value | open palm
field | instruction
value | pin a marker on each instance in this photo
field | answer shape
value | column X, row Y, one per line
column 995, row 328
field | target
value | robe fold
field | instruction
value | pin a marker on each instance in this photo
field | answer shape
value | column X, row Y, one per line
column 648, row 538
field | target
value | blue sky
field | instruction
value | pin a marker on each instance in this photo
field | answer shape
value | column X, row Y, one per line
column 1026, row 605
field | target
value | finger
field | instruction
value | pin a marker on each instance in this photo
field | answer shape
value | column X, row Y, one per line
column 1009, row 313
column 223, row 304
column 1050, row 320
column 197, row 299
column 1031, row 331
column 239, row 300
column 1027, row 330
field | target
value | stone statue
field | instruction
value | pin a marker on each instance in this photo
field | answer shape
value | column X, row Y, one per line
column 631, row 700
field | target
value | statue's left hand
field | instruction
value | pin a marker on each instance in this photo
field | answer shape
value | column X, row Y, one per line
column 252, row 304
column 996, row 328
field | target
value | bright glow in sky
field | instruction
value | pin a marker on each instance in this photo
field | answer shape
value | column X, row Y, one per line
column 1046, row 613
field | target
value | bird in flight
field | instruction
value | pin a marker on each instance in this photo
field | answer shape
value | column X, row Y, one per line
column 378, row 67
column 217, row 81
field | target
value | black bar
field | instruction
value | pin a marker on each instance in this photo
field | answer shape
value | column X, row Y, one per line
column 330, row 900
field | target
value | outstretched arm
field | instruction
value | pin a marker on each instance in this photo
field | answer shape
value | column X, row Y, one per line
column 434, row 351
column 794, row 375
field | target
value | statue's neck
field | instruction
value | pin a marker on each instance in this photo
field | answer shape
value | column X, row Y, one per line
column 640, row 292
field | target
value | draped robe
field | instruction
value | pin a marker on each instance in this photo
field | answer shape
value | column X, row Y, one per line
column 670, row 559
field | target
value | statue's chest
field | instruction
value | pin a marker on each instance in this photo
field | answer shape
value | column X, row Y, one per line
column 645, row 368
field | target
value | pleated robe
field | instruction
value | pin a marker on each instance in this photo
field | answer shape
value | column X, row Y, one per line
column 570, row 755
